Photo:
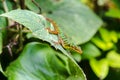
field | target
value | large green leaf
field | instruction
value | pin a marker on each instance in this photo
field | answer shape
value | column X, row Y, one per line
column 76, row 20
column 37, row 26
column 40, row 62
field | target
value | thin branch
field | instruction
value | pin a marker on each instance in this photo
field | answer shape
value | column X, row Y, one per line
column 22, row 4
column 6, row 9
column 37, row 6
column 5, row 5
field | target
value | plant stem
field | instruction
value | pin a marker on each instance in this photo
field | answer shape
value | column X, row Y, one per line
column 34, row 2
column 22, row 4
column 6, row 9
column 20, row 38
column 23, row 31
column 5, row 5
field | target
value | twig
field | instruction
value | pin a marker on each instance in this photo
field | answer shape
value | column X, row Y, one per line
column 5, row 5
column 6, row 9
column 20, row 39
column 22, row 4
column 37, row 6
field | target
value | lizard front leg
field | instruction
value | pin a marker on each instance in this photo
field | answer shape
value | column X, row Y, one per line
column 56, row 30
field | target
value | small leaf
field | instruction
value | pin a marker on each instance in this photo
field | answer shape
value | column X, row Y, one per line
column 40, row 62
column 105, row 34
column 100, row 67
column 115, row 13
column 113, row 59
column 114, row 36
column 102, row 44
column 90, row 51
column 118, row 35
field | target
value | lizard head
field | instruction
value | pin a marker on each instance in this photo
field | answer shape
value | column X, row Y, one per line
column 77, row 49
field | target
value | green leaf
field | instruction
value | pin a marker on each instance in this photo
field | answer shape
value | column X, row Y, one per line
column 90, row 51
column 105, row 34
column 40, row 62
column 115, row 13
column 113, row 59
column 102, row 44
column 114, row 36
column 118, row 35
column 37, row 26
column 76, row 20
column 108, row 36
column 100, row 67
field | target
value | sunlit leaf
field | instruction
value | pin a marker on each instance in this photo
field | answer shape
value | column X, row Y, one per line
column 115, row 13
column 102, row 44
column 76, row 20
column 114, row 36
column 118, row 35
column 41, row 62
column 108, row 36
column 100, row 67
column 113, row 59
column 105, row 34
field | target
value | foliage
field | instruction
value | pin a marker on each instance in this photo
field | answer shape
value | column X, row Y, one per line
column 29, row 51
column 27, row 46
column 107, row 38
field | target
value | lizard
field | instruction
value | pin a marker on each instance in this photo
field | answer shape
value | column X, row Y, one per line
column 62, row 38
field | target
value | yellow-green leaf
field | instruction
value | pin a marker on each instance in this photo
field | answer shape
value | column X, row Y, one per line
column 113, row 59
column 100, row 67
